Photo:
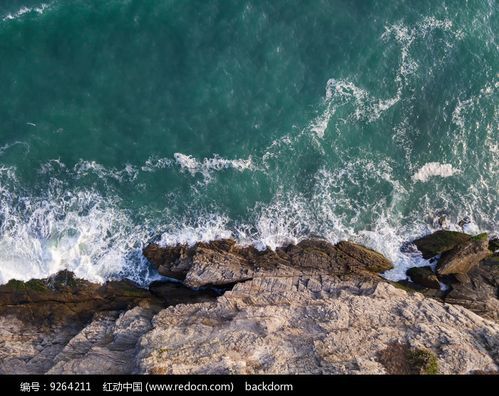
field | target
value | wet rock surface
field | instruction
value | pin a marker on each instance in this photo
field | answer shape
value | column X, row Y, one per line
column 223, row 262
column 63, row 299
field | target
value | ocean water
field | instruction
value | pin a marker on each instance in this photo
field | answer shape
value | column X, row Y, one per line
column 265, row 121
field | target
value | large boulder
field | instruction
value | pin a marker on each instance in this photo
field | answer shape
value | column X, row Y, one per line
column 464, row 256
column 223, row 262
column 364, row 258
column 440, row 242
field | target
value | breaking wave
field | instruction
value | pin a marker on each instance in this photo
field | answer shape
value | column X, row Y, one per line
column 359, row 167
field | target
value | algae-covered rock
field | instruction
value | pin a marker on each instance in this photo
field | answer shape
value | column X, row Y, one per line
column 368, row 258
column 440, row 242
column 62, row 298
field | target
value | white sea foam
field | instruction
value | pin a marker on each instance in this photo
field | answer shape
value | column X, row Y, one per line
column 341, row 92
column 204, row 228
column 153, row 163
column 86, row 233
column 26, row 10
column 93, row 237
column 432, row 169
column 8, row 146
column 407, row 35
column 78, row 232
column 367, row 107
column 84, row 168
column 208, row 165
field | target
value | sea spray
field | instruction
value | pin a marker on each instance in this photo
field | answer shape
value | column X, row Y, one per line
column 181, row 122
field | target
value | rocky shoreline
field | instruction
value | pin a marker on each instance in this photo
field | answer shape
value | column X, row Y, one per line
column 313, row 307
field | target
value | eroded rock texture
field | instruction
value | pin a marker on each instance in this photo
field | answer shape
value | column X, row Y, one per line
column 314, row 325
column 307, row 308
column 223, row 262
column 467, row 266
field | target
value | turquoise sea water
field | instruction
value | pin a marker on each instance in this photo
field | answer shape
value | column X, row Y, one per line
column 265, row 121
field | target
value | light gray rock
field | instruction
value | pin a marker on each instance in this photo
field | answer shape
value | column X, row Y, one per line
column 300, row 324
column 105, row 345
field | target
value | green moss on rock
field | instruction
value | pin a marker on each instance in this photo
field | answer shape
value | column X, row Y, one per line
column 424, row 276
column 440, row 242
column 31, row 285
column 481, row 237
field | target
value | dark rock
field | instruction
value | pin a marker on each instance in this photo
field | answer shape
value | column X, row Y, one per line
column 461, row 278
column 367, row 258
column 440, row 242
column 479, row 290
column 465, row 221
column 409, row 286
column 494, row 244
column 224, row 262
column 464, row 256
column 424, row 276
column 63, row 299
column 176, row 293
column 170, row 261
column 408, row 247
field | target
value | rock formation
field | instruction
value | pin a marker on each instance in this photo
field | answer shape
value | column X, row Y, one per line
column 440, row 242
column 66, row 325
column 463, row 257
column 306, row 308
column 303, row 324
column 466, row 265
column 224, row 262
